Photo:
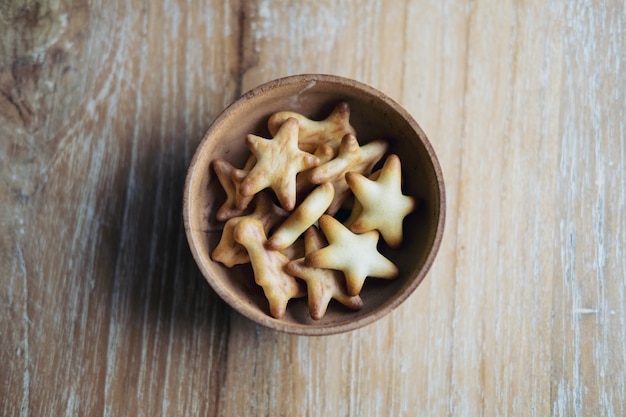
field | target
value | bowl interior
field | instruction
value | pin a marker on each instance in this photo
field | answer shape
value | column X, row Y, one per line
column 374, row 116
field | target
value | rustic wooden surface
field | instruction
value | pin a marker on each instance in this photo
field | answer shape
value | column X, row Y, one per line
column 104, row 312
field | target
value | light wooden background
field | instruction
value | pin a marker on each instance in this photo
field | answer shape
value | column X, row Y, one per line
column 103, row 311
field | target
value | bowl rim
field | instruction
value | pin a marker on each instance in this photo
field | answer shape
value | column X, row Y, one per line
column 315, row 329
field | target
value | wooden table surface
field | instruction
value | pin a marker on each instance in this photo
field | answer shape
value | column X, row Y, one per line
column 104, row 311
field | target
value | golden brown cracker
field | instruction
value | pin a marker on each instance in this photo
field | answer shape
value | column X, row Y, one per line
column 382, row 206
column 323, row 284
column 235, row 203
column 312, row 132
column 269, row 267
column 305, row 214
column 231, row 253
column 278, row 161
column 350, row 157
column 356, row 255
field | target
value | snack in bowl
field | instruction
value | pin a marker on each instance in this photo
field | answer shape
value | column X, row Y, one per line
column 231, row 253
column 269, row 267
column 305, row 215
column 322, row 284
column 313, row 132
column 373, row 116
column 339, row 268
column 372, row 215
column 351, row 157
column 230, row 178
column 356, row 255
column 278, row 160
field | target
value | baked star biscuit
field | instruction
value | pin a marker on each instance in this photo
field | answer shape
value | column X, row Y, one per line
column 278, row 161
column 322, row 284
column 387, row 218
column 228, row 176
column 269, row 267
column 314, row 133
column 350, row 157
column 231, row 253
column 357, row 208
column 307, row 213
column 237, row 176
column 356, row 255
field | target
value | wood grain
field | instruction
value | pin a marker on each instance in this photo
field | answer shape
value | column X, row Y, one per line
column 104, row 311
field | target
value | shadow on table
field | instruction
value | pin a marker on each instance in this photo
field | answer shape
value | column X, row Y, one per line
column 156, row 278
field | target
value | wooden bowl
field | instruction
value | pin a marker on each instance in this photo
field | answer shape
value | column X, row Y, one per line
column 374, row 116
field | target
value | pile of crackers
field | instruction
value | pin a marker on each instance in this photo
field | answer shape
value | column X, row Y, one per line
column 281, row 211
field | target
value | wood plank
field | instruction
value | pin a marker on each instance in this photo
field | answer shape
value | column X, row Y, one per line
column 112, row 301
column 589, row 331
column 435, row 81
column 105, row 312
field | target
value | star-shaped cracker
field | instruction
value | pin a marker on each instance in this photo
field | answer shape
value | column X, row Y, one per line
column 382, row 204
column 354, row 254
column 237, row 176
column 350, row 157
column 357, row 208
column 322, row 284
column 307, row 213
column 314, row 133
column 230, row 179
column 278, row 161
column 269, row 267
column 231, row 253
